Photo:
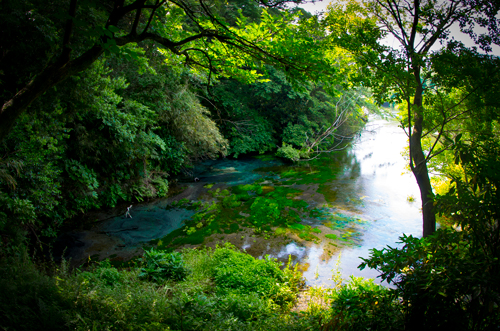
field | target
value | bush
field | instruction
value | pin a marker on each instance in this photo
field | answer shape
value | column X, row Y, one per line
column 104, row 273
column 364, row 305
column 106, row 298
column 443, row 281
column 288, row 152
column 159, row 265
column 238, row 272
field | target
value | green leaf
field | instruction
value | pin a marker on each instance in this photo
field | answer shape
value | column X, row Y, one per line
column 113, row 29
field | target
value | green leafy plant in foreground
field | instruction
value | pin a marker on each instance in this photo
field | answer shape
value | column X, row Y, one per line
column 443, row 282
column 363, row 305
column 245, row 295
column 104, row 273
column 238, row 272
column 159, row 265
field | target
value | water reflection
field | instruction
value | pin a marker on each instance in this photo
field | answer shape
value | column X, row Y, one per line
column 375, row 186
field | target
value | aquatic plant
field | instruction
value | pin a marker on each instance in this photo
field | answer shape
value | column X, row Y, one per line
column 332, row 236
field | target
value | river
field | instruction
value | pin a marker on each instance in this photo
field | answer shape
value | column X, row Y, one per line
column 380, row 180
column 365, row 184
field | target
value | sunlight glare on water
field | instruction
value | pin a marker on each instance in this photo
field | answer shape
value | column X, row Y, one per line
column 383, row 186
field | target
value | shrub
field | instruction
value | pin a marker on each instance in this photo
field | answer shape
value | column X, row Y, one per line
column 363, row 305
column 288, row 152
column 237, row 272
column 29, row 298
column 104, row 273
column 159, row 265
column 445, row 283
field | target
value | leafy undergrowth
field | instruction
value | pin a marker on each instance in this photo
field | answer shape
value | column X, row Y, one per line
column 225, row 289
column 195, row 289
column 220, row 289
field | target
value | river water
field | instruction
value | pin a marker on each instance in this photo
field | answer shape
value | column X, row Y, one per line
column 368, row 182
column 378, row 179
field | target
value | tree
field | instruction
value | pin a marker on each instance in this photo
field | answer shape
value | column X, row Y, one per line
column 314, row 117
column 451, row 279
column 405, row 74
column 49, row 41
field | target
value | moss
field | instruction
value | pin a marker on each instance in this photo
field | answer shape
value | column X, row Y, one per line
column 243, row 196
column 309, row 237
column 234, row 228
column 255, row 188
column 168, row 239
column 182, row 203
column 320, row 170
column 231, row 201
column 266, row 189
column 280, row 231
column 266, row 157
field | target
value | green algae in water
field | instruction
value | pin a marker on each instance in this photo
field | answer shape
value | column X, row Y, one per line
column 280, row 231
column 233, row 228
column 318, row 213
column 309, row 237
column 305, row 232
column 329, row 194
column 244, row 189
column 331, row 236
column 231, row 201
column 286, row 197
column 339, row 221
column 289, row 173
column 277, row 206
column 320, row 170
column 208, row 186
column 297, row 226
column 243, row 196
column 182, row 203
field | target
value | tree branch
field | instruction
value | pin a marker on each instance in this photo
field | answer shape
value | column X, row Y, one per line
column 68, row 31
column 137, row 19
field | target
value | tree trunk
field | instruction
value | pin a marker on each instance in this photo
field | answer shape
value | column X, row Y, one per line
column 419, row 167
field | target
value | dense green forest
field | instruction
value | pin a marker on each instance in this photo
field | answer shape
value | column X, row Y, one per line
column 106, row 102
